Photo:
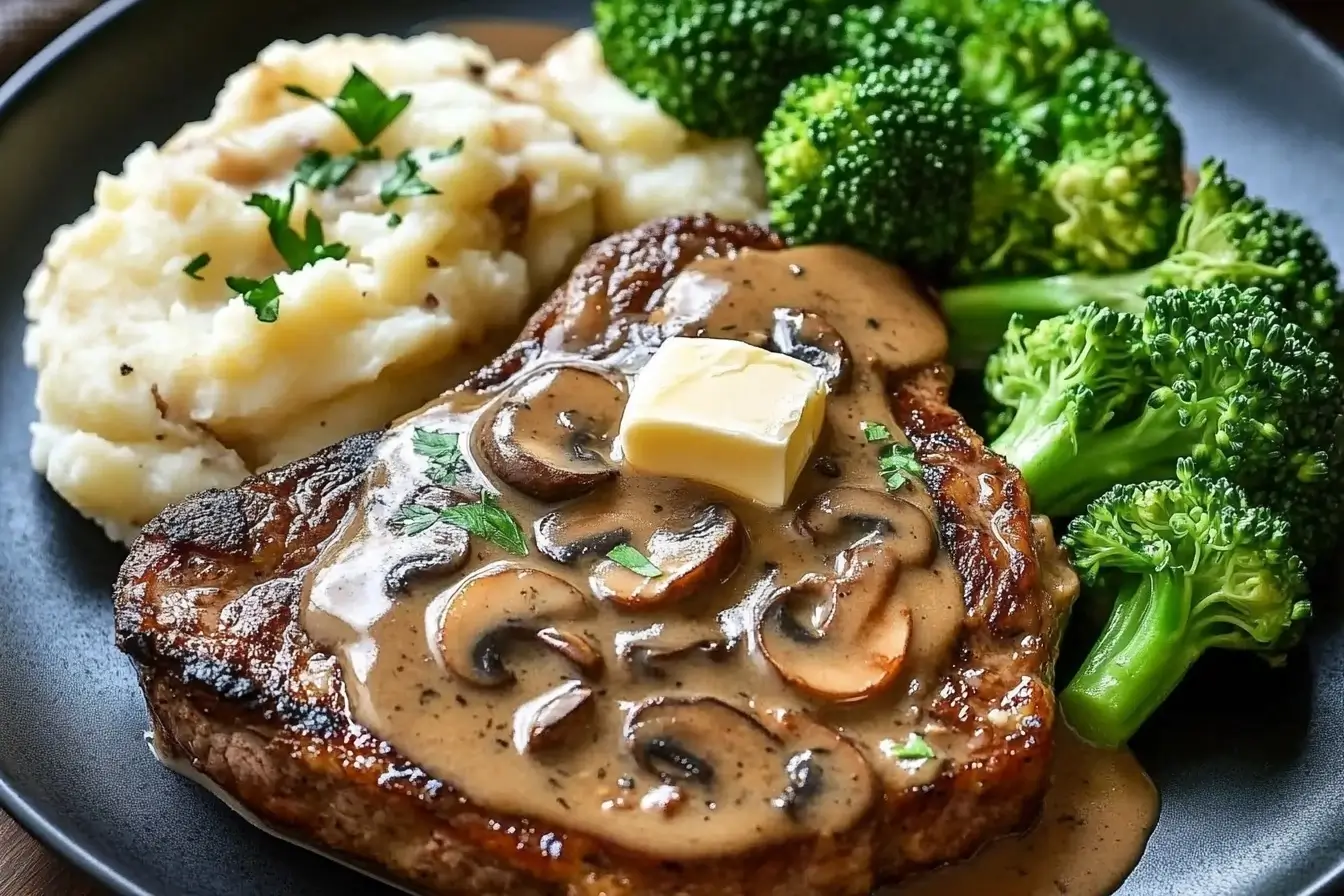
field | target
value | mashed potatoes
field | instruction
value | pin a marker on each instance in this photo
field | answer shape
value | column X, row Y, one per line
column 153, row 385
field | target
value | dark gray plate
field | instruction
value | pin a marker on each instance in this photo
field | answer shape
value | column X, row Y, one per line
column 1247, row 760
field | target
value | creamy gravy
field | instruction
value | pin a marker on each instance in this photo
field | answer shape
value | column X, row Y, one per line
column 697, row 713
column 509, row 38
column 1098, row 813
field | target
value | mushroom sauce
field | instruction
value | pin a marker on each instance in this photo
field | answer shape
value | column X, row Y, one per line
column 766, row 684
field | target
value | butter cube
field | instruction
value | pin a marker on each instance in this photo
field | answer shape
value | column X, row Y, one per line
column 724, row 413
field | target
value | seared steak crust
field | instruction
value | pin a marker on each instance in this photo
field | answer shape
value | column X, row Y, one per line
column 208, row 608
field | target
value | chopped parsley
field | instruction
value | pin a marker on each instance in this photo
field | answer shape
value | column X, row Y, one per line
column 297, row 249
column 364, row 107
column 322, row 171
column 405, row 181
column 450, row 151
column 488, row 520
column 195, row 266
column 915, row 747
column 875, row 432
column 393, row 220
column 634, row 561
column 262, row 296
column 412, row 519
column 484, row 519
column 898, row 465
column 445, row 457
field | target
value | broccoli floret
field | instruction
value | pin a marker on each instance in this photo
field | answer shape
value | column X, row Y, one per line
column 1010, row 225
column 1118, row 182
column 881, row 35
column 1188, row 564
column 717, row 66
column 1017, row 50
column 1224, row 379
column 876, row 157
column 1223, row 237
column 955, row 13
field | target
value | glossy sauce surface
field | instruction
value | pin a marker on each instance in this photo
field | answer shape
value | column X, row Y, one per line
column 673, row 714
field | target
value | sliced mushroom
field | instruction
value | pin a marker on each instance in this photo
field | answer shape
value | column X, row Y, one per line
column 504, row 603
column 567, row 536
column 545, row 721
column 807, row 336
column 839, row 637
column 444, row 556
column 550, row 438
column 796, row 772
column 865, row 516
column 691, row 551
column 649, row 652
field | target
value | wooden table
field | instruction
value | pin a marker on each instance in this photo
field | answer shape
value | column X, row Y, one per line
column 27, row 869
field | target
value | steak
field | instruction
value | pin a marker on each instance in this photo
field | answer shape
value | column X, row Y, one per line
column 208, row 608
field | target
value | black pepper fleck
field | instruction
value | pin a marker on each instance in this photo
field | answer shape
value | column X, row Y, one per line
column 127, row 370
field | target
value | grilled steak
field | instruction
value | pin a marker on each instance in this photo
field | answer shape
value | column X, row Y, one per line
column 208, row 607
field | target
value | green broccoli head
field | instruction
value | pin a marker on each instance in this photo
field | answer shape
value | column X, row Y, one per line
column 1010, row 226
column 1231, row 384
column 1017, row 49
column 717, row 66
column 876, row 157
column 1187, row 564
column 1223, row 238
column 882, row 35
column 1226, row 236
column 955, row 13
column 1076, row 372
column 1118, row 183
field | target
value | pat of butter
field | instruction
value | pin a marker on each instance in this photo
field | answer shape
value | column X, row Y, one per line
column 724, row 413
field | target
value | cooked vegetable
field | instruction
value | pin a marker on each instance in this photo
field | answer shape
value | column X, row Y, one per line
column 884, row 35
column 717, row 66
column 876, row 157
column 1010, row 230
column 1188, row 565
column 1100, row 397
column 1017, row 50
column 1224, row 237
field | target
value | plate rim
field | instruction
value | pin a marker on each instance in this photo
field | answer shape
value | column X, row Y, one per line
column 25, row 809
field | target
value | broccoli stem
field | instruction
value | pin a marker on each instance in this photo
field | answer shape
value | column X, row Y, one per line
column 1143, row 653
column 978, row 314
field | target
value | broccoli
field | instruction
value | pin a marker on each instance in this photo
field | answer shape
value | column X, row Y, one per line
column 876, row 157
column 1101, row 397
column 1017, row 50
column 717, row 66
column 881, row 35
column 1224, row 237
column 1189, row 564
column 1010, row 225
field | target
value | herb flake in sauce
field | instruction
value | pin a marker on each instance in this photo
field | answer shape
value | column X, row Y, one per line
column 486, row 519
column 445, row 457
column 633, row 560
column 365, row 107
column 195, row 266
column 875, row 432
column 915, row 747
column 898, row 465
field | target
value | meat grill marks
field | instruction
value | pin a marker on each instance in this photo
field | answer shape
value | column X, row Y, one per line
column 207, row 606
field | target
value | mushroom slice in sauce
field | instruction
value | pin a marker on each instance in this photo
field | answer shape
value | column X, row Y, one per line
column 550, row 439
column 650, row 651
column 865, row 516
column 504, row 603
column 696, row 550
column 779, row 764
column 444, row 555
column 567, row 536
column 839, row 637
column 807, row 336
column 545, row 721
